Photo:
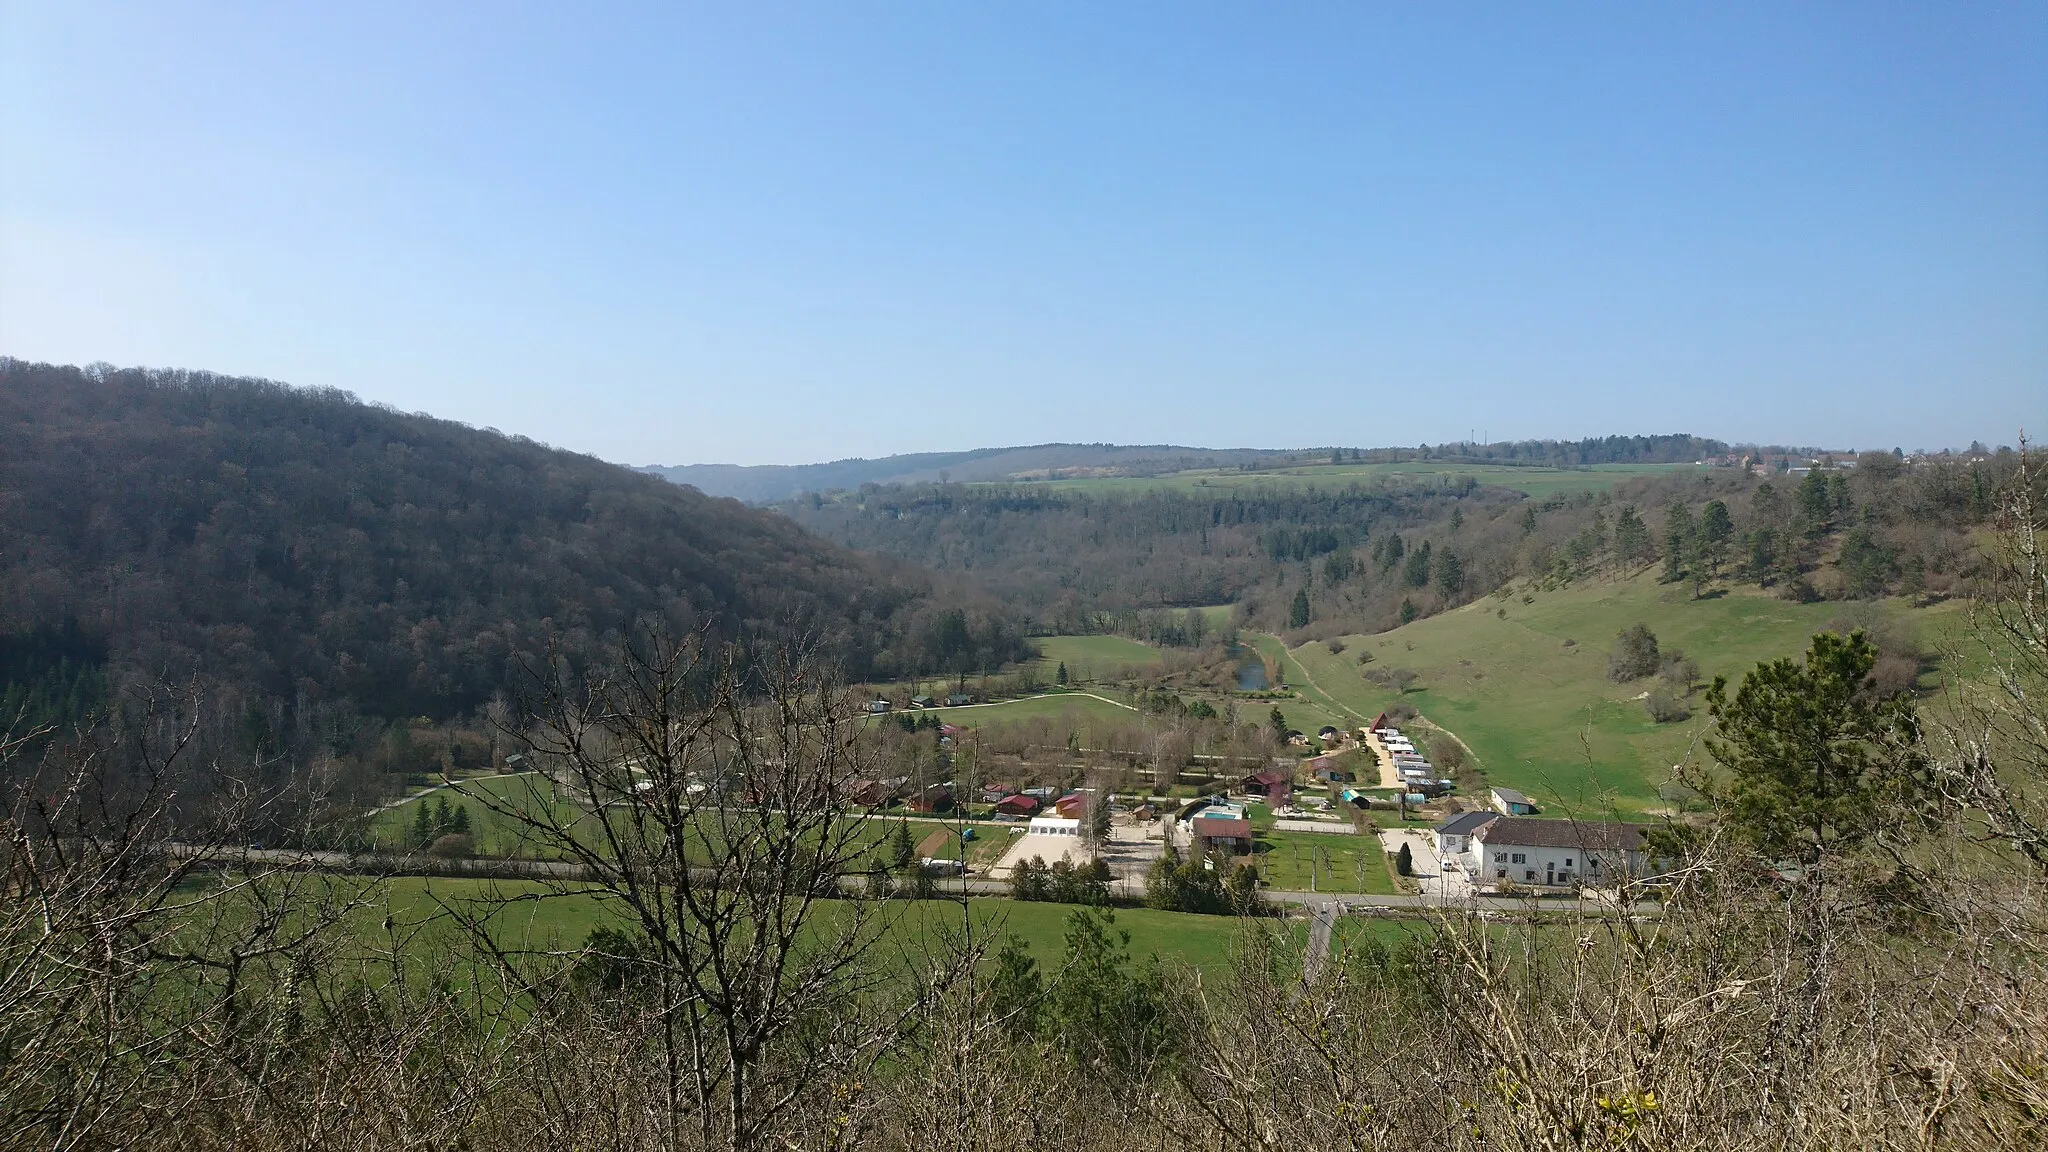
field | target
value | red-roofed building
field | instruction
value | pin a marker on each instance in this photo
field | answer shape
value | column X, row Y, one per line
column 1018, row 805
column 1273, row 784
column 1072, row 806
column 1232, row 835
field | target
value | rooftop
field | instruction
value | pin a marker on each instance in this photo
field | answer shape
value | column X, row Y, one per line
column 1527, row 832
column 1464, row 823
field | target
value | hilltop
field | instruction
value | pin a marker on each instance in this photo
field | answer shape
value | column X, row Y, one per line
column 767, row 483
column 1174, row 465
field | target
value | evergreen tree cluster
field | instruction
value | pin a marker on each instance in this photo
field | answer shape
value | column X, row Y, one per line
column 432, row 821
column 1061, row 882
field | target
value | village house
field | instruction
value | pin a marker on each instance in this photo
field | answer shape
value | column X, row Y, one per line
column 1557, row 853
column 1019, row 806
column 1212, row 825
column 1454, row 836
column 934, row 798
column 876, row 793
column 1275, row 786
column 1073, row 806
column 1509, row 802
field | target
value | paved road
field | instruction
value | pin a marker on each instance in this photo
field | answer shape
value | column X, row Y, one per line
column 1319, row 904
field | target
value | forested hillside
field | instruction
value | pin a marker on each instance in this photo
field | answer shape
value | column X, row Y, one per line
column 1366, row 557
column 297, row 545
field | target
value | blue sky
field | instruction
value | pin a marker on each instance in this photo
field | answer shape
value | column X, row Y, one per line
column 783, row 233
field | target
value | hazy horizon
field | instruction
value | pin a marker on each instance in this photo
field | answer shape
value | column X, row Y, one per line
column 810, row 234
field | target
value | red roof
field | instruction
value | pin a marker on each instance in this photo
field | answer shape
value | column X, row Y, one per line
column 1018, row 805
column 1215, row 828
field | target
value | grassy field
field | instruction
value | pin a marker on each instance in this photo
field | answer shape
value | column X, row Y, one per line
column 1092, row 657
column 541, row 919
column 1538, row 482
column 1291, row 860
column 492, row 832
column 1540, row 714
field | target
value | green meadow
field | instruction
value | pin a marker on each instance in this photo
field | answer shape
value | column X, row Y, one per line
column 1093, row 657
column 527, row 916
column 1525, row 685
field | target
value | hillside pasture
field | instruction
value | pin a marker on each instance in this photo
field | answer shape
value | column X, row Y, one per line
column 1540, row 715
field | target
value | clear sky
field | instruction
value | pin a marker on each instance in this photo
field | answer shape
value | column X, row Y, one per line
column 784, row 232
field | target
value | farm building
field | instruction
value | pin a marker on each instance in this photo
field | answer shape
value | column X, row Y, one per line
column 878, row 704
column 956, row 699
column 1073, row 806
column 1557, row 853
column 1509, row 802
column 923, row 702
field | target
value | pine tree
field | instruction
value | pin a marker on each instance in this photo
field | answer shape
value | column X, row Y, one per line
column 1631, row 537
column 1277, row 720
column 1417, row 570
column 1679, row 533
column 1404, row 860
column 1716, row 530
column 1450, row 575
column 422, row 825
column 1813, row 757
column 1297, row 612
column 902, row 853
column 459, row 822
column 443, row 818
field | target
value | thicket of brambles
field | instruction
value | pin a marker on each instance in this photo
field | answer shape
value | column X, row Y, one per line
column 1369, row 557
column 1847, row 953
column 333, row 571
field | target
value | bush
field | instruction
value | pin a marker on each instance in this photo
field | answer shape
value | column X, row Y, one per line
column 1399, row 711
column 1634, row 655
column 1447, row 753
column 1401, row 679
column 1404, row 860
column 1365, row 656
column 452, row 845
column 1335, row 645
column 1664, row 707
column 1681, row 670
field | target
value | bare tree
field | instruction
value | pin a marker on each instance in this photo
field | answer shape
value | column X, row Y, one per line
column 704, row 793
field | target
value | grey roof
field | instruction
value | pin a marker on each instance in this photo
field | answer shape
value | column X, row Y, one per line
column 1510, row 796
column 1464, row 823
column 1529, row 832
